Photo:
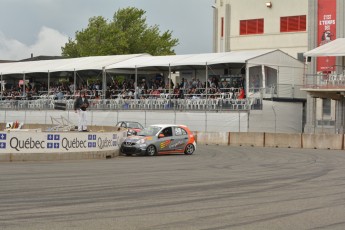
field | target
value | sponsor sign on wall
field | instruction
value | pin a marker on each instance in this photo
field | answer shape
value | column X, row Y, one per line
column 51, row 142
column 326, row 32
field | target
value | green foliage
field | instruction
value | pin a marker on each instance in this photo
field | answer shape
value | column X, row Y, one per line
column 127, row 33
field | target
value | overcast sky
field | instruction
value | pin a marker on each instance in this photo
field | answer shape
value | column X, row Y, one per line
column 41, row 27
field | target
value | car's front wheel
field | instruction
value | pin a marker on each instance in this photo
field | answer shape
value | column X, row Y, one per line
column 189, row 150
column 151, row 150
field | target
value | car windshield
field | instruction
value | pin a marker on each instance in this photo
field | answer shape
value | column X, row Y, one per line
column 134, row 125
column 149, row 131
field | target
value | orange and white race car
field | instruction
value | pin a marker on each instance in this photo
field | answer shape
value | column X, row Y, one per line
column 160, row 139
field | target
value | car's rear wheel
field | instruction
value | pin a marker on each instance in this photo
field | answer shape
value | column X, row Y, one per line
column 151, row 150
column 189, row 150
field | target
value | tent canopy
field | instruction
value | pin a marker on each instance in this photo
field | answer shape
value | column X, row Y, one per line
column 189, row 60
column 136, row 61
column 69, row 64
column 333, row 48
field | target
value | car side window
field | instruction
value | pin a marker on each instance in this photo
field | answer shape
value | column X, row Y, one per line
column 180, row 131
column 167, row 132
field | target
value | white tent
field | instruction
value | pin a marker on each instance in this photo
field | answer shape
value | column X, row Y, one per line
column 59, row 65
column 68, row 64
column 333, row 48
column 288, row 69
column 190, row 60
column 133, row 61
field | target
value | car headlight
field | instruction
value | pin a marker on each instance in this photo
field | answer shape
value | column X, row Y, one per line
column 141, row 141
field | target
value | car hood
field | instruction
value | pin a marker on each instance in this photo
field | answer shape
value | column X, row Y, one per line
column 136, row 138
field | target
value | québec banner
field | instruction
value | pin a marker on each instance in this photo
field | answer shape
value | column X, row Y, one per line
column 52, row 142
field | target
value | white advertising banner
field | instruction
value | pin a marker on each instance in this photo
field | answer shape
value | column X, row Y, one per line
column 58, row 142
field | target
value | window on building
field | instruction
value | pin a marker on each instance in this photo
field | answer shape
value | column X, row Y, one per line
column 300, row 57
column 326, row 107
column 252, row 26
column 222, row 28
column 293, row 23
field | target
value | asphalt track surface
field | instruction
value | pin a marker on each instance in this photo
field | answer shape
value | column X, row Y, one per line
column 216, row 188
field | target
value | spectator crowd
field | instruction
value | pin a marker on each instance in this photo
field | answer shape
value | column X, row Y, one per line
column 155, row 87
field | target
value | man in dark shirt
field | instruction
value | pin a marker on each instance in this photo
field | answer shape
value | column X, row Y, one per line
column 80, row 106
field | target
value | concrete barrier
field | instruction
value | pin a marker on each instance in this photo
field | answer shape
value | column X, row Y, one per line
column 212, row 138
column 283, row 140
column 33, row 144
column 323, row 141
column 11, row 157
column 247, row 139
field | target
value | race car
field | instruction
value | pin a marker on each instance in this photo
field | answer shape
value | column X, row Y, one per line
column 132, row 127
column 160, row 139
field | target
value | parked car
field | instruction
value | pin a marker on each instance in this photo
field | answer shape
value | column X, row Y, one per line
column 132, row 127
column 160, row 139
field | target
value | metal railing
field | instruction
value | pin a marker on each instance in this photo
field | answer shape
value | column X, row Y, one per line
column 211, row 104
column 225, row 99
column 325, row 81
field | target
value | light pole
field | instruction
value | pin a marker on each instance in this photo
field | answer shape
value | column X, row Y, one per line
column 275, row 118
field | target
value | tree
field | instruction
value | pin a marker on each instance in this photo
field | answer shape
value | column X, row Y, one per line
column 127, row 33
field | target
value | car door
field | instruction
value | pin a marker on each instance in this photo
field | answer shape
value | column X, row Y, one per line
column 180, row 139
column 164, row 143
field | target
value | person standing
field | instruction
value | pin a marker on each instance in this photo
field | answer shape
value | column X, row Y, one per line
column 80, row 105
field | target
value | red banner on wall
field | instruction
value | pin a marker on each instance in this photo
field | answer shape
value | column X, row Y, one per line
column 326, row 31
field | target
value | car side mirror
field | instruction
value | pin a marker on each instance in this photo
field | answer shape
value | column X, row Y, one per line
column 161, row 135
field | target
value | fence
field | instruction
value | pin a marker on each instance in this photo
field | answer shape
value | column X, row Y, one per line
column 280, row 117
column 326, row 81
column 197, row 121
column 211, row 104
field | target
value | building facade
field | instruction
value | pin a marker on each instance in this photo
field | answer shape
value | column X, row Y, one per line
column 325, row 80
column 294, row 26
column 261, row 24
